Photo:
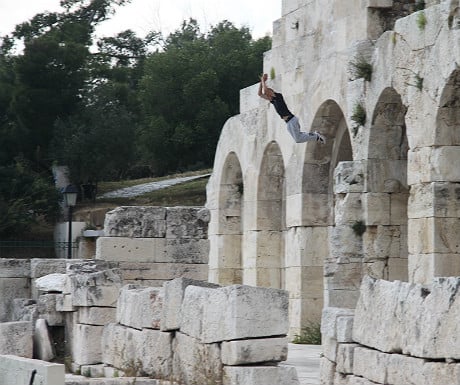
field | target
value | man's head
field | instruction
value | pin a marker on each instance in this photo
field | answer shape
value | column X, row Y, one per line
column 269, row 92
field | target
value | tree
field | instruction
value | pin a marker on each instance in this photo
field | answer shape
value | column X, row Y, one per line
column 190, row 88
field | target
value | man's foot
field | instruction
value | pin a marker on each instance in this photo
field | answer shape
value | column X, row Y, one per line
column 320, row 138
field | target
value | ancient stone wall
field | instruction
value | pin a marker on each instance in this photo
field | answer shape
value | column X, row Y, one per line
column 379, row 79
column 399, row 333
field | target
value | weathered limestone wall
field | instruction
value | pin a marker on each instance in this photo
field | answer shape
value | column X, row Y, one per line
column 379, row 197
column 155, row 244
column 399, row 333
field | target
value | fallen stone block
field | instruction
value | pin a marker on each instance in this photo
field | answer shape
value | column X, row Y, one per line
column 52, row 283
column 344, row 358
column 173, row 296
column 234, row 312
column 86, row 344
column 157, row 354
column 122, row 347
column 64, row 303
column 260, row 375
column 136, row 222
column 421, row 321
column 122, row 249
column 93, row 371
column 43, row 346
column 94, row 283
column 253, row 351
column 96, row 315
column 195, row 362
column 18, row 370
column 16, row 338
column 140, row 307
column 186, row 250
column 187, row 222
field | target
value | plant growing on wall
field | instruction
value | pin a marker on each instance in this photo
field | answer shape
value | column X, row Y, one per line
column 361, row 68
column 358, row 116
column 272, row 73
column 359, row 228
column 421, row 20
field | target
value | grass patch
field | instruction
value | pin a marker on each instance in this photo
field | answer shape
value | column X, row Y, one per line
column 360, row 68
column 309, row 335
column 421, row 20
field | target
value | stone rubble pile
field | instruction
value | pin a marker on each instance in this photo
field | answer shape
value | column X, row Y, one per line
column 155, row 244
column 193, row 332
column 399, row 333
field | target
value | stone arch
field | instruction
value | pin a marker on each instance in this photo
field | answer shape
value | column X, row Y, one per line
column 385, row 199
column 225, row 265
column 435, row 224
column 264, row 262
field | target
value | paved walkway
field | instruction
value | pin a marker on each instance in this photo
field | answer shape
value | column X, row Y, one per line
column 306, row 360
column 144, row 188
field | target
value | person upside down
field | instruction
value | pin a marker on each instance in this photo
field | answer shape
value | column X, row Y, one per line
column 293, row 125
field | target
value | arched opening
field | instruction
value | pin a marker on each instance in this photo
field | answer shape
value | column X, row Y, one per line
column 385, row 245
column 264, row 263
column 225, row 265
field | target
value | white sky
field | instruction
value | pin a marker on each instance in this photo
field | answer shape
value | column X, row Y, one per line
column 165, row 15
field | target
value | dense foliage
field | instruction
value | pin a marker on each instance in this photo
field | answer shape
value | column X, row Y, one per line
column 131, row 107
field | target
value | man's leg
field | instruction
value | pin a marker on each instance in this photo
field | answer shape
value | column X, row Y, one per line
column 293, row 126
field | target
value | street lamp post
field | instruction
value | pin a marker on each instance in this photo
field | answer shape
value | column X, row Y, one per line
column 70, row 199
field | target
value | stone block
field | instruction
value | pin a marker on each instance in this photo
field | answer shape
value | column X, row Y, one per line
column 383, row 242
column 157, row 354
column 11, row 288
column 136, row 222
column 260, row 375
column 187, row 222
column 14, row 268
column 173, row 296
column 46, row 307
column 424, row 267
column 349, row 208
column 64, row 303
column 186, row 250
column 330, row 320
column 305, row 246
column 189, row 358
column 17, row 370
column 121, row 346
column 16, row 338
column 54, row 282
column 308, row 209
column 225, row 251
column 434, row 235
column 330, row 347
column 345, row 358
column 251, row 351
column 234, row 312
column 93, row 371
column 349, row 177
column 40, row 267
column 436, row 199
column 86, row 344
column 96, row 315
column 376, row 209
column 25, row 310
column 94, row 283
column 131, row 249
column 163, row 271
column 140, row 307
column 345, row 329
column 326, row 371
column 370, row 364
column 388, row 316
column 43, row 347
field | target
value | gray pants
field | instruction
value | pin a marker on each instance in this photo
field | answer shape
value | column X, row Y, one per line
column 293, row 126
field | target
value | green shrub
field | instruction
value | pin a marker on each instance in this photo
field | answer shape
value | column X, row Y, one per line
column 421, row 20
column 360, row 68
column 309, row 335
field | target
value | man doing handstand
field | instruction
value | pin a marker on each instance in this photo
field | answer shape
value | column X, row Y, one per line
column 293, row 125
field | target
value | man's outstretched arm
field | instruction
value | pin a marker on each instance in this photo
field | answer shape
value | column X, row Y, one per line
column 263, row 87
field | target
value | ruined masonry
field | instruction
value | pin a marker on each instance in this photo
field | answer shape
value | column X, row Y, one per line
column 372, row 215
column 360, row 234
